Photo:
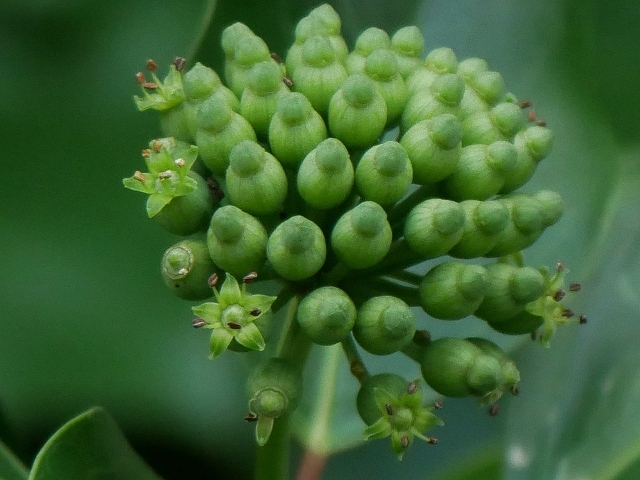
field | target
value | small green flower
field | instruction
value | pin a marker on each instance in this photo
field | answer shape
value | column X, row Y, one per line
column 233, row 316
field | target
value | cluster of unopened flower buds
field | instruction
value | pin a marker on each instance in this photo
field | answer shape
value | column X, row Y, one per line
column 333, row 172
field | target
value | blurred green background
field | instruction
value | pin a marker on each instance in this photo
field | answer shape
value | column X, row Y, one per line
column 85, row 319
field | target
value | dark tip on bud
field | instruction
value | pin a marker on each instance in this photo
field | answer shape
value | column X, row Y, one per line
column 559, row 295
column 357, row 369
column 249, row 277
column 583, row 319
column 494, row 410
column 575, row 287
column 234, row 325
column 514, row 391
column 156, row 145
column 404, row 441
column 152, row 66
column 251, row 417
column 198, row 322
column 412, row 388
column 140, row 78
column 389, row 408
column 437, row 404
column 531, row 116
column 541, row 123
column 525, row 104
column 276, row 57
column 432, row 441
column 213, row 280
column 179, row 62
column 421, row 337
column 567, row 313
column 255, row 312
column 150, row 85
column 287, row 81
column 139, row 176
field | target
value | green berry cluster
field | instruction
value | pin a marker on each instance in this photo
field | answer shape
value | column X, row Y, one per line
column 334, row 172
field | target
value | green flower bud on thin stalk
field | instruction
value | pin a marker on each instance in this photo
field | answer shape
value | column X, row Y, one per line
column 325, row 177
column 384, row 325
column 384, row 173
column 502, row 122
column 408, row 44
column 484, row 90
column 274, row 389
column 382, row 67
column 231, row 38
column 256, row 182
column 296, row 249
column 453, row 290
column 439, row 61
column 219, row 130
column 370, row 40
column 391, row 406
column 362, row 236
column 484, row 221
column 357, row 112
column 433, row 146
column 295, row 129
column 532, row 144
column 237, row 241
column 186, row 269
column 434, row 226
column 326, row 315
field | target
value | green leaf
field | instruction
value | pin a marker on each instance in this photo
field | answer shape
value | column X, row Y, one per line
column 90, row 446
column 11, row 468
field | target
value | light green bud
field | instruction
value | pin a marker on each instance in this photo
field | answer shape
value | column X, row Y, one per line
column 532, row 144
column 371, row 39
column 381, row 66
column 484, row 221
column 186, row 268
column 439, row 61
column 326, row 315
column 250, row 50
column 434, row 226
column 502, row 122
column 469, row 67
column 484, row 90
column 408, row 44
column 384, row 325
column 384, row 173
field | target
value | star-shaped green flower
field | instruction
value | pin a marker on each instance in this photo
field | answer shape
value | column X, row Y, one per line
column 160, row 95
column 233, row 316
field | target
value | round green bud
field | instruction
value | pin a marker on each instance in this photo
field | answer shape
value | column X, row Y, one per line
column 249, row 51
column 326, row 315
column 276, row 376
column 384, row 173
column 186, row 268
column 296, row 249
column 295, row 129
column 329, row 16
column 362, row 236
column 382, row 67
column 434, row 226
column 453, row 290
column 439, row 61
column 219, row 130
column 500, row 123
column 256, row 182
column 552, row 206
column 509, row 370
column 357, row 112
column 480, row 171
column 433, row 147
column 371, row 39
column 523, row 323
column 408, row 44
column 366, row 403
column 510, row 288
column 237, row 241
column 259, row 98
column 384, row 325
column 532, row 144
column 232, row 36
column 325, row 177
column 469, row 67
column 486, row 88
column 484, row 221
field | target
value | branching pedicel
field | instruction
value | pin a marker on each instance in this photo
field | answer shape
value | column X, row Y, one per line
column 332, row 173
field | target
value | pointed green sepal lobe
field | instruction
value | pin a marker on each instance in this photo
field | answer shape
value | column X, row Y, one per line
column 264, row 426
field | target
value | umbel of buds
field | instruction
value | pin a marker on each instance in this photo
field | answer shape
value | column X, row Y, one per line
column 334, row 175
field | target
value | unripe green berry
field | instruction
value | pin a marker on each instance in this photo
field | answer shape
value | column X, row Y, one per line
column 408, row 44
column 382, row 67
column 362, row 236
column 325, row 177
column 532, row 144
column 186, row 268
column 237, row 241
column 326, row 315
column 371, row 39
column 433, row 146
column 434, row 226
column 296, row 248
column 484, row 221
column 256, row 182
column 384, row 325
column 384, row 173
column 438, row 62
column 481, row 171
column 357, row 112
column 295, row 129
column 502, row 122
column 453, row 290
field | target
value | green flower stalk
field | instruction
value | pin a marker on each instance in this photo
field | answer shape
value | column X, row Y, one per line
column 484, row 222
column 186, row 269
column 384, row 173
column 408, row 46
column 384, row 325
column 502, row 122
column 179, row 199
column 237, row 241
column 438, row 62
column 233, row 316
column 382, row 67
column 391, row 406
column 256, row 182
column 434, row 226
column 326, row 315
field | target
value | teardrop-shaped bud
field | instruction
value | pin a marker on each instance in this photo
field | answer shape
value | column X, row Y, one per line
column 384, row 325
column 509, row 370
column 532, row 144
column 296, row 248
column 256, row 182
column 362, row 236
column 237, row 241
column 326, row 315
column 408, row 44
column 484, row 90
column 325, row 177
column 251, row 49
column 371, row 39
column 434, row 226
column 384, row 173
column 231, row 37
column 381, row 66
column 295, row 129
column 186, row 269
column 502, row 122
column 469, row 67
column 357, row 112
column 453, row 290
column 484, row 221
column 439, row 61
column 523, row 323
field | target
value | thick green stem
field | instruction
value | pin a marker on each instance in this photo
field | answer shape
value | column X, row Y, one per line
column 272, row 460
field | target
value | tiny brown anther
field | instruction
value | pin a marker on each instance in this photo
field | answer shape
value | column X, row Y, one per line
column 412, row 388
column 574, row 287
column 138, row 175
column 179, row 162
column 404, row 441
column 287, row 81
column 156, row 145
column 255, row 312
column 198, row 322
column 514, row 391
column 432, row 440
column 559, row 266
column 140, row 78
column 525, row 104
column 150, row 85
column 251, row 417
column 583, row 319
column 179, row 62
column 567, row 313
column 437, row 404
column 494, row 410
column 213, row 280
column 215, row 189
column 146, row 153
column 531, row 116
column 541, row 123
column 276, row 57
column 152, row 66
column 234, row 325
column 249, row 277
column 164, row 175
column 559, row 295
column 389, row 408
